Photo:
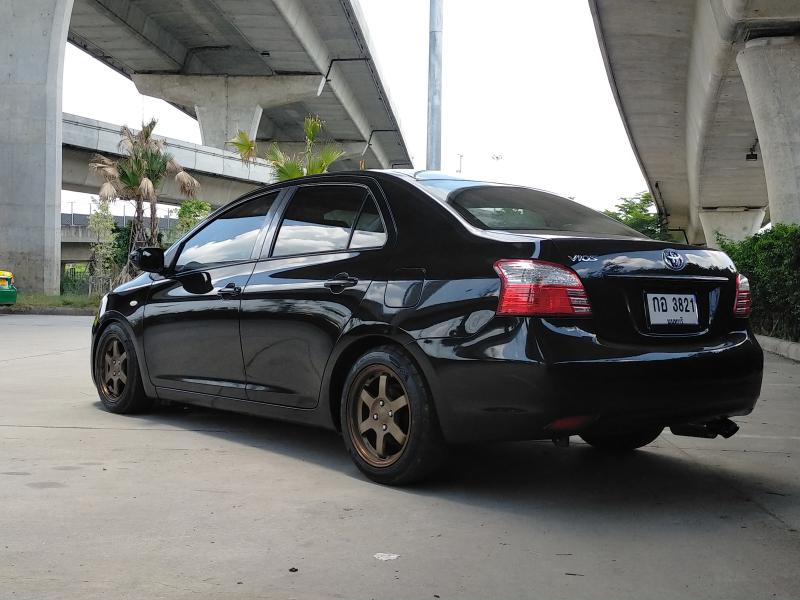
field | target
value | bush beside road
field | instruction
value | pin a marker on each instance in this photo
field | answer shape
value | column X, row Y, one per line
column 65, row 304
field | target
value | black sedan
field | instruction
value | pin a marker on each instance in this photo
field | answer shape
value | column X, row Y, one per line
column 416, row 311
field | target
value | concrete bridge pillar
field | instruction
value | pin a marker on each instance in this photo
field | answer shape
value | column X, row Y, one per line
column 226, row 104
column 734, row 223
column 770, row 69
column 33, row 37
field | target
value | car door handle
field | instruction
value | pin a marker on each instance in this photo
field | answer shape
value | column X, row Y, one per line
column 229, row 291
column 341, row 281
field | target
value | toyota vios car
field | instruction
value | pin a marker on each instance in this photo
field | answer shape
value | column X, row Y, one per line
column 414, row 311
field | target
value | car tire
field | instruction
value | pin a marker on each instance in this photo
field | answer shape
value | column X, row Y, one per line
column 622, row 442
column 385, row 397
column 116, row 373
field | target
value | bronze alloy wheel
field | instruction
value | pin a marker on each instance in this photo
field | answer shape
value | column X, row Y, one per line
column 380, row 416
column 115, row 368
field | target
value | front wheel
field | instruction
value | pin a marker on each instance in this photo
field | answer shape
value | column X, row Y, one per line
column 116, row 373
column 388, row 419
column 622, row 442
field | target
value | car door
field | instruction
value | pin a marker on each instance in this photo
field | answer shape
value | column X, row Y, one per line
column 325, row 251
column 191, row 326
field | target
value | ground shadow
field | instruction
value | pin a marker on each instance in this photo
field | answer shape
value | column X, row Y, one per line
column 522, row 477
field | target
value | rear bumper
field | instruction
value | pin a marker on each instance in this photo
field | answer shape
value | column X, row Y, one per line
column 513, row 382
column 8, row 295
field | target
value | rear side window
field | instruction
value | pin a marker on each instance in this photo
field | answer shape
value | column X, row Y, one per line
column 323, row 218
column 227, row 239
column 369, row 231
column 523, row 209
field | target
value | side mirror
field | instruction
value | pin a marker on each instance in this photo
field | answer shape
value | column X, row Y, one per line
column 148, row 259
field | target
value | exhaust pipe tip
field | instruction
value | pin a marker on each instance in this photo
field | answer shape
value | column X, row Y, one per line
column 724, row 427
column 709, row 430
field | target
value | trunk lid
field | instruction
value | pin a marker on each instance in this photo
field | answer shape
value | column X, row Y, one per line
column 625, row 277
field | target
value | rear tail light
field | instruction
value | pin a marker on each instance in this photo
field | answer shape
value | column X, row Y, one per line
column 741, row 305
column 540, row 288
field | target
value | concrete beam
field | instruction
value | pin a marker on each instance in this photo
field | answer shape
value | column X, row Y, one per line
column 33, row 36
column 770, row 69
column 144, row 27
column 226, row 104
column 733, row 223
column 301, row 23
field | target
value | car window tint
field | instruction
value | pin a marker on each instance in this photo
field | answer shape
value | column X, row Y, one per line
column 490, row 206
column 369, row 231
column 227, row 239
column 319, row 219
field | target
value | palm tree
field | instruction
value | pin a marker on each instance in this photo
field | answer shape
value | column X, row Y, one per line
column 287, row 166
column 138, row 177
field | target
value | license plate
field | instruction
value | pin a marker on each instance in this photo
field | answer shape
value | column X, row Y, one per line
column 672, row 309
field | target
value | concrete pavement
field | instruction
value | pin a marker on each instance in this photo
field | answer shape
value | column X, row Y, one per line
column 190, row 503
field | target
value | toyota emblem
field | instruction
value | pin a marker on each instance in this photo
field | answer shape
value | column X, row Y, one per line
column 674, row 260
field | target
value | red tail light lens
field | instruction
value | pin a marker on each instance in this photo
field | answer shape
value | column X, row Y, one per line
column 540, row 288
column 741, row 306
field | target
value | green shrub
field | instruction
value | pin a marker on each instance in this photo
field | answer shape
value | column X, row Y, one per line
column 771, row 261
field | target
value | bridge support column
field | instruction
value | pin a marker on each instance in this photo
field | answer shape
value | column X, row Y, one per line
column 770, row 69
column 226, row 104
column 33, row 37
column 734, row 223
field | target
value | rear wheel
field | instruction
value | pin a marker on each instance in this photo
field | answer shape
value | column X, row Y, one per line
column 116, row 373
column 388, row 420
column 622, row 442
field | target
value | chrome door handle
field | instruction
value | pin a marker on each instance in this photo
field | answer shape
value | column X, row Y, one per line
column 339, row 282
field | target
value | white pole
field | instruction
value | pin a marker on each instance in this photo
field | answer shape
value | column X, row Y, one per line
column 434, row 158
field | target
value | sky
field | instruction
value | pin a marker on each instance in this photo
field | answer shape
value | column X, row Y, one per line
column 524, row 101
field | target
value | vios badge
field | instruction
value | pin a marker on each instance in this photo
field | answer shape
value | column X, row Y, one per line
column 673, row 259
column 582, row 258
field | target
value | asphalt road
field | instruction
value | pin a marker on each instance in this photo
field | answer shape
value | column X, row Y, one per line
column 200, row 504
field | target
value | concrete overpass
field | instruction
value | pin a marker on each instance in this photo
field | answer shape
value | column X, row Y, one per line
column 221, row 173
column 255, row 65
column 708, row 91
column 77, row 239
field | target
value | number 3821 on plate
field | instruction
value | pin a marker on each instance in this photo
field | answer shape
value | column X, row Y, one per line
column 672, row 309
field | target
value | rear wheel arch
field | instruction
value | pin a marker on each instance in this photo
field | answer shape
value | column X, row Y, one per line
column 356, row 348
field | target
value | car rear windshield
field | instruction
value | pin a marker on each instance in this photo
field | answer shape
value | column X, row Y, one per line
column 512, row 208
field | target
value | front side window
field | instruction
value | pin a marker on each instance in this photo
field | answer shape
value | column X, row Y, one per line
column 227, row 239
column 320, row 218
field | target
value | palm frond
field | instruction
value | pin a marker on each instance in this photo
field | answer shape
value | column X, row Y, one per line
column 275, row 155
column 129, row 175
column 173, row 166
column 188, row 185
column 127, row 139
column 312, row 125
column 105, row 167
column 107, row 192
column 146, row 190
column 154, row 165
column 291, row 169
column 329, row 155
column 244, row 146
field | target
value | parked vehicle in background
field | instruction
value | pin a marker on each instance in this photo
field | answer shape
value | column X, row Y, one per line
column 415, row 311
column 8, row 292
